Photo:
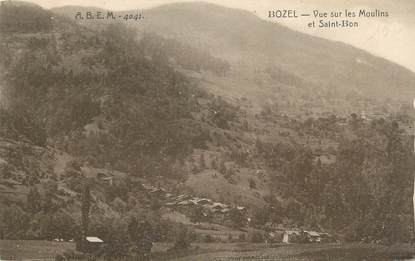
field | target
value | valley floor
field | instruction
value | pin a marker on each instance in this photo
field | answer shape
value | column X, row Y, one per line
column 45, row 250
column 32, row 249
column 314, row 252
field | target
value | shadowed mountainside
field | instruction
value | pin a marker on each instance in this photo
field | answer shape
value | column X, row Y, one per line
column 271, row 63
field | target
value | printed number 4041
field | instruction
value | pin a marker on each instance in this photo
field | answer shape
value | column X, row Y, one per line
column 134, row 17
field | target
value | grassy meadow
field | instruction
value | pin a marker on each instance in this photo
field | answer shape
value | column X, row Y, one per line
column 47, row 250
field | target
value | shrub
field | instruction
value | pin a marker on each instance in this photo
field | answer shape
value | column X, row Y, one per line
column 208, row 239
column 256, row 237
column 183, row 237
column 230, row 238
column 71, row 255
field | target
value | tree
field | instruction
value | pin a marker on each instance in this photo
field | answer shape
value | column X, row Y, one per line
column 182, row 238
column 196, row 214
column 33, row 200
column 142, row 236
column 114, row 233
column 86, row 205
column 214, row 164
column 261, row 216
column 252, row 184
column 14, row 223
column 237, row 218
column 222, row 167
column 202, row 162
column 401, row 168
column 51, row 188
column 56, row 225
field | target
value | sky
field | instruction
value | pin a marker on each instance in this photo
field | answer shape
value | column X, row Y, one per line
column 391, row 37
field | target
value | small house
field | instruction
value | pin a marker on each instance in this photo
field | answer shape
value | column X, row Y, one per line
column 109, row 177
column 225, row 210
column 313, row 236
column 171, row 204
column 105, row 177
column 157, row 192
column 204, row 201
column 289, row 236
column 297, row 236
column 327, row 238
column 185, row 203
column 89, row 244
column 201, row 201
column 183, row 197
column 275, row 236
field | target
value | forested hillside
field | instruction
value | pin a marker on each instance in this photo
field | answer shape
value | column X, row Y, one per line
column 363, row 191
column 73, row 98
column 67, row 78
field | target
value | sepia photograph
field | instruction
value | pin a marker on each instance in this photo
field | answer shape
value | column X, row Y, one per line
column 207, row 130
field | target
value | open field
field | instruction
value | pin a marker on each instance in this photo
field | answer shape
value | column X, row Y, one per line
column 46, row 250
column 32, row 249
column 312, row 252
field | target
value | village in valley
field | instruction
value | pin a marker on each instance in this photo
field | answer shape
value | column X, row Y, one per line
column 202, row 213
column 205, row 210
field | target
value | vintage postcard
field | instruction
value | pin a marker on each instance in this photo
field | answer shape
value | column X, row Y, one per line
column 208, row 130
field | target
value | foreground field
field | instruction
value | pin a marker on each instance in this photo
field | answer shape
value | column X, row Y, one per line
column 32, row 249
column 313, row 252
column 46, row 250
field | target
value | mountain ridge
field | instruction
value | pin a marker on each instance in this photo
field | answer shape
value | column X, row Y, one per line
column 256, row 49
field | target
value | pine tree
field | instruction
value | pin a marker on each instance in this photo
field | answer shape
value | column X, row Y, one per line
column 222, row 167
column 214, row 164
column 145, row 240
column 252, row 184
column 86, row 205
column 34, row 201
column 202, row 162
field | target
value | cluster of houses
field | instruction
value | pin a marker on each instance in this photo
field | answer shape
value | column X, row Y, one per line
column 372, row 116
column 306, row 236
column 218, row 211
column 179, row 202
column 185, row 201
column 109, row 177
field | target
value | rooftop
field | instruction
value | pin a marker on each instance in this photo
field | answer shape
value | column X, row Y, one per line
column 94, row 240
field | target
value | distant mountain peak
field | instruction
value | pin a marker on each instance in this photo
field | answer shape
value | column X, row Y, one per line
column 259, row 50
